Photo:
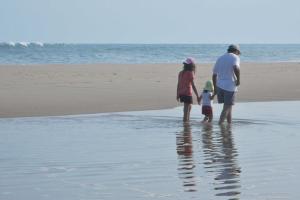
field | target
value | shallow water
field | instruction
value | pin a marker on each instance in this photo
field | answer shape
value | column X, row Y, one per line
column 39, row 53
column 153, row 155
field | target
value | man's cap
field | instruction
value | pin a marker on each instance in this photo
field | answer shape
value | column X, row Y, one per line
column 234, row 47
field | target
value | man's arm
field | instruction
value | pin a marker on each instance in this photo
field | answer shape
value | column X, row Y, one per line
column 237, row 72
column 214, row 79
column 177, row 94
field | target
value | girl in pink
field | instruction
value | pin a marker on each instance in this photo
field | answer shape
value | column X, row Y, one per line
column 186, row 86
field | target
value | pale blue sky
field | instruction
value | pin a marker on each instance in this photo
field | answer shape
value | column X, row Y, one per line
column 151, row 21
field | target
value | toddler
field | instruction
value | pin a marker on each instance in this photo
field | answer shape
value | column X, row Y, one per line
column 207, row 97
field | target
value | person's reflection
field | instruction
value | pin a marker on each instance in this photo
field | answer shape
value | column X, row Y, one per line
column 208, row 145
column 186, row 164
column 221, row 159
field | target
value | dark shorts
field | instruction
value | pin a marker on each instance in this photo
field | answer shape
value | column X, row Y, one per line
column 226, row 97
column 186, row 99
column 207, row 110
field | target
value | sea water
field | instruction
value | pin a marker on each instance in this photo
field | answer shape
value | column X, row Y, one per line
column 40, row 53
column 153, row 155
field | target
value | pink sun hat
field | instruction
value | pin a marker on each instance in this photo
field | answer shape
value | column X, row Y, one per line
column 189, row 60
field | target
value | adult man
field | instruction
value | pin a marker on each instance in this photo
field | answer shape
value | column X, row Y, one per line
column 226, row 78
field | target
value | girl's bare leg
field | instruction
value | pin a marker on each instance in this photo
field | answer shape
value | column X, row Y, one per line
column 186, row 112
column 189, row 111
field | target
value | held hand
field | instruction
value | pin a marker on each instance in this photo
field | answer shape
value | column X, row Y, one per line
column 199, row 100
column 177, row 98
column 215, row 92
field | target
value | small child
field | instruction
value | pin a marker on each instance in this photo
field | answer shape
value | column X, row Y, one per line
column 207, row 97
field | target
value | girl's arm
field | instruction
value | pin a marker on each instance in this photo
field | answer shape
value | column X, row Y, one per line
column 195, row 90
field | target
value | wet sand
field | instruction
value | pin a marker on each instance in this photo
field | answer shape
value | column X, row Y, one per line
column 153, row 155
column 45, row 90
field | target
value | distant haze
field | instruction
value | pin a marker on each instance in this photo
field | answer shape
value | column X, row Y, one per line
column 150, row 21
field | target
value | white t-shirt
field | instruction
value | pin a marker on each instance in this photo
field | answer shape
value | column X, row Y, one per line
column 206, row 101
column 225, row 71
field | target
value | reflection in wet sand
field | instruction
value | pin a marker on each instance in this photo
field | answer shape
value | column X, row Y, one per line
column 184, row 144
column 220, row 157
column 151, row 155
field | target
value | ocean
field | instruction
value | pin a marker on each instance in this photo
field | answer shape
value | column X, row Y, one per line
column 153, row 155
column 40, row 53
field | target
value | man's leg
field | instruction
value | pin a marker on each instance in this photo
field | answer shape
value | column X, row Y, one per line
column 230, row 101
column 229, row 115
column 229, row 98
column 225, row 112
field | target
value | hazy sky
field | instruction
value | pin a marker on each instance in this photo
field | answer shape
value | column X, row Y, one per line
column 151, row 21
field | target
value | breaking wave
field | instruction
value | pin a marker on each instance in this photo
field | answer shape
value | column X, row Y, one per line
column 21, row 44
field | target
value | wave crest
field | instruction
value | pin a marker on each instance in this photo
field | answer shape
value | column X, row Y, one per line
column 21, row 44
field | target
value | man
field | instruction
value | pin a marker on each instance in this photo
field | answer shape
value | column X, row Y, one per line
column 226, row 78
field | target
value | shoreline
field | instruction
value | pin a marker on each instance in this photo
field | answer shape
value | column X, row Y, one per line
column 148, row 110
column 72, row 89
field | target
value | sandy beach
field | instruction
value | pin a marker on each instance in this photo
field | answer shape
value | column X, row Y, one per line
column 46, row 90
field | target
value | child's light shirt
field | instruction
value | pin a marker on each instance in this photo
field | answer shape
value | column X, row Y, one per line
column 206, row 101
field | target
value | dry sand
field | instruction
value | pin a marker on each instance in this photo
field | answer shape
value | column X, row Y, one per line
column 42, row 90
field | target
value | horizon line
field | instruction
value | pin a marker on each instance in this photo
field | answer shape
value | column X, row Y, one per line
column 141, row 43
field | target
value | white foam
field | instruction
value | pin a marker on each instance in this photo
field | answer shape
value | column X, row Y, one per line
column 37, row 44
column 12, row 44
column 23, row 44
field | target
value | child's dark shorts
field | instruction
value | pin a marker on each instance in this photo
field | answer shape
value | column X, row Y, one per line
column 186, row 99
column 207, row 110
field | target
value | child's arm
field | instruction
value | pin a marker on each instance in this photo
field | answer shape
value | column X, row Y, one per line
column 212, row 96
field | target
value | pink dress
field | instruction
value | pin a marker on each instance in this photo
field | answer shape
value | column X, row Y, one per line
column 185, row 79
